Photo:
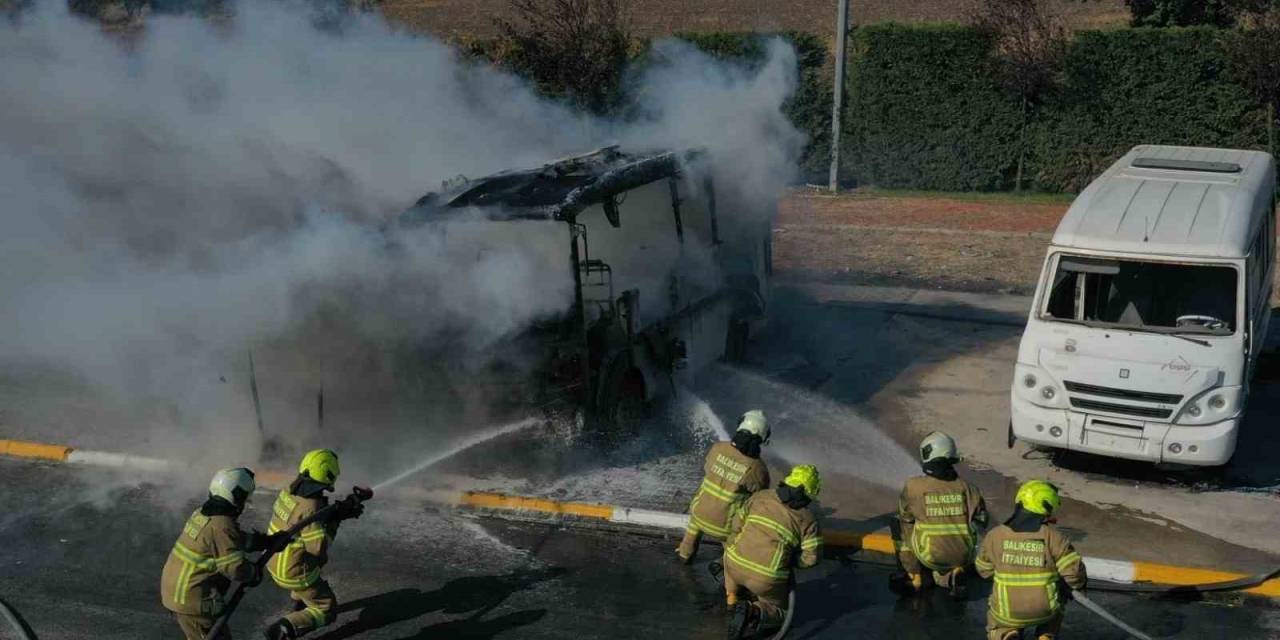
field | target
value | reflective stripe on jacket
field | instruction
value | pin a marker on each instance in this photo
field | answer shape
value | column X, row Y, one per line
column 937, row 519
column 298, row 565
column 767, row 536
column 207, row 556
column 1026, row 568
column 729, row 477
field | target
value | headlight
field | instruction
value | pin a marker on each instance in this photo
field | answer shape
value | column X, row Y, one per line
column 1034, row 385
column 1214, row 405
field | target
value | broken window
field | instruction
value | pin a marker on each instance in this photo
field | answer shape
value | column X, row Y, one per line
column 1149, row 295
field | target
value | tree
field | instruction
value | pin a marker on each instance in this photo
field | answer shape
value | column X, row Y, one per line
column 1254, row 56
column 1027, row 45
column 1185, row 13
column 574, row 49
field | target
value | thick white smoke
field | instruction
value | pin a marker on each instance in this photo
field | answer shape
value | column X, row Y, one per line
column 172, row 200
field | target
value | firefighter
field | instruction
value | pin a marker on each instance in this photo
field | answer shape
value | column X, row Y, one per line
column 297, row 567
column 1028, row 559
column 209, row 554
column 732, row 472
column 940, row 516
column 771, row 535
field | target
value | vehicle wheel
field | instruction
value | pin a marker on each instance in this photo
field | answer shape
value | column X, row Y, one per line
column 624, row 408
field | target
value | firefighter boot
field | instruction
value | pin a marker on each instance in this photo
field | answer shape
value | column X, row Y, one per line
column 281, row 630
column 744, row 621
column 905, row 583
column 957, row 585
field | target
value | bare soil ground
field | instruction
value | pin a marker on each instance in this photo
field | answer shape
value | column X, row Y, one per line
column 653, row 18
column 986, row 245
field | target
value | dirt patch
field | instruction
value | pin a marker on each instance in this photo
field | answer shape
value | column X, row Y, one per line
column 1011, row 215
column 937, row 243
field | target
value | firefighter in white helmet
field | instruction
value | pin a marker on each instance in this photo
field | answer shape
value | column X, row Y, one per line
column 941, row 516
column 209, row 554
column 731, row 473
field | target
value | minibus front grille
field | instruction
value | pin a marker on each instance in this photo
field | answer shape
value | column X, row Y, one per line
column 1145, row 412
column 1123, row 394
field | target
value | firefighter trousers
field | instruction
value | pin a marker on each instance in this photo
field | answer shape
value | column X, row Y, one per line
column 771, row 593
column 692, row 538
column 318, row 607
column 1045, row 630
column 195, row 627
column 913, row 566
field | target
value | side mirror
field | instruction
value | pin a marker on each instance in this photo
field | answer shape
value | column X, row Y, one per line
column 611, row 212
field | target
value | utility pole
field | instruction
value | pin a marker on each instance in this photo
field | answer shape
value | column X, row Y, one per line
column 842, row 27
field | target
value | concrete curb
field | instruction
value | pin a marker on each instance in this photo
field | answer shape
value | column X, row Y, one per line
column 1119, row 571
column 70, row 455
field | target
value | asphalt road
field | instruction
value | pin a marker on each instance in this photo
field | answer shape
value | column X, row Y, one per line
column 80, row 559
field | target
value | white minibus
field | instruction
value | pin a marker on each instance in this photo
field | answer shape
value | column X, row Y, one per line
column 1152, row 309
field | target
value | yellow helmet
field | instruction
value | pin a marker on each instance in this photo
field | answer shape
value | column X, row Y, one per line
column 320, row 465
column 805, row 476
column 1038, row 497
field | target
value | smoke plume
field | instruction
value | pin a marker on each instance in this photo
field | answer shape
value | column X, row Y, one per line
column 173, row 200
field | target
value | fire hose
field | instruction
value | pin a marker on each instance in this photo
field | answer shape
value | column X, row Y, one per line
column 1106, row 615
column 19, row 627
column 357, row 496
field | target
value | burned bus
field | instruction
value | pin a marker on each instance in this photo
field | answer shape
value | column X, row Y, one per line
column 663, row 281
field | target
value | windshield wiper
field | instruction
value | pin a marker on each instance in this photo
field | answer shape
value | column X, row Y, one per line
column 1125, row 327
column 1186, row 337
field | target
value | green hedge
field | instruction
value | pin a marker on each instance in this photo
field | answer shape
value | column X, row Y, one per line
column 1134, row 86
column 924, row 113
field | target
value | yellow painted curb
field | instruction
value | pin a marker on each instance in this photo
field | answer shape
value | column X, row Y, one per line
column 877, row 542
column 37, row 450
column 501, row 501
column 1168, row 574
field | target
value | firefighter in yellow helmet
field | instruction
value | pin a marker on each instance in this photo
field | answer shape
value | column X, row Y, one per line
column 297, row 567
column 209, row 554
column 732, row 472
column 770, row 536
column 940, row 516
column 1027, row 557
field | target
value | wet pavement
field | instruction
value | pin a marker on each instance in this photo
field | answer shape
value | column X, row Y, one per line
column 80, row 562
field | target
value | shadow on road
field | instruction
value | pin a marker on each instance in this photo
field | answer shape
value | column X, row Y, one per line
column 478, row 594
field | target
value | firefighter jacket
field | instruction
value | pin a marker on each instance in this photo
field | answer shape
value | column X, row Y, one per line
column 208, row 555
column 298, row 565
column 769, row 538
column 1027, row 567
column 938, row 517
column 729, row 477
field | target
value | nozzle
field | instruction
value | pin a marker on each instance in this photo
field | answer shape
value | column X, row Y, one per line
column 362, row 493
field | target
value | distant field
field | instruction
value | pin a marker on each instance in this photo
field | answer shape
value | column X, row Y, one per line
column 662, row 17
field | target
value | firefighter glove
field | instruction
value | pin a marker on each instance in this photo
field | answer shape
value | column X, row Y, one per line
column 348, row 509
column 255, row 541
column 276, row 542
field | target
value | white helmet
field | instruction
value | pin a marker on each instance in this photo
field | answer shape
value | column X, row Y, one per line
column 937, row 446
column 755, row 423
column 233, row 485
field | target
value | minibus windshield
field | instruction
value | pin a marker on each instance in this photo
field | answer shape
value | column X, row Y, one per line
column 1151, row 296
